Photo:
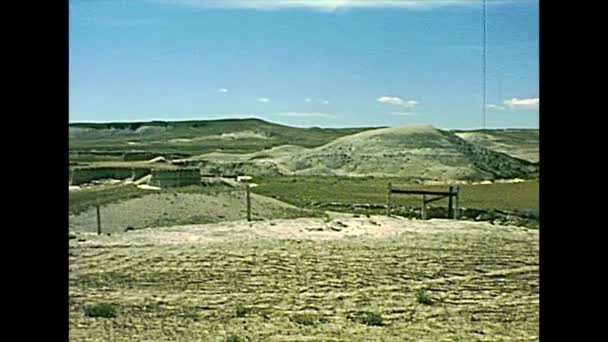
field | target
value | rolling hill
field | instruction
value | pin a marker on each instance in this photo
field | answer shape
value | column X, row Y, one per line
column 519, row 143
column 186, row 138
column 257, row 147
column 416, row 152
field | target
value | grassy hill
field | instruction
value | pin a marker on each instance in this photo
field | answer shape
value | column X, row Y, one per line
column 257, row 147
column 414, row 152
column 519, row 143
column 111, row 140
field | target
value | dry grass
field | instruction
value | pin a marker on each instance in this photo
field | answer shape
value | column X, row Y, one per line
column 484, row 278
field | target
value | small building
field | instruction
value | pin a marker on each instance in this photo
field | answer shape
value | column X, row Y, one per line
column 175, row 177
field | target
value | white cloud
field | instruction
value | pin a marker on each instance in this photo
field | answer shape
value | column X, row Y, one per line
column 332, row 5
column 223, row 90
column 263, row 99
column 317, row 100
column 493, row 106
column 397, row 101
column 305, row 115
column 404, row 113
column 515, row 103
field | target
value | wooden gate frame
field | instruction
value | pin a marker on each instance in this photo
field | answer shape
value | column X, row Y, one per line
column 453, row 192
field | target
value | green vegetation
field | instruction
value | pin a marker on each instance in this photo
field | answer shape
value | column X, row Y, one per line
column 235, row 338
column 100, row 310
column 305, row 319
column 372, row 319
column 241, row 311
column 184, row 137
column 424, row 297
column 318, row 191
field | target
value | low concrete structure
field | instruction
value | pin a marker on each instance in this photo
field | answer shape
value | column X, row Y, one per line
column 176, row 178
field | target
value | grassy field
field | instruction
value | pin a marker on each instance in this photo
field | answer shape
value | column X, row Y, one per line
column 126, row 205
column 304, row 191
column 470, row 282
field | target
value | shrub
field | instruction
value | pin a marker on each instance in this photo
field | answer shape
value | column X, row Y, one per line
column 100, row 310
column 241, row 311
column 372, row 319
column 234, row 338
column 304, row 319
column 424, row 298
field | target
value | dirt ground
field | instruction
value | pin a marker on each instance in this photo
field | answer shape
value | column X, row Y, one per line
column 168, row 209
column 257, row 280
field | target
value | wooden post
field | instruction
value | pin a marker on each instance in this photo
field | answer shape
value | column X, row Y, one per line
column 98, row 221
column 248, row 204
column 457, row 203
column 450, row 201
column 424, row 207
column 388, row 201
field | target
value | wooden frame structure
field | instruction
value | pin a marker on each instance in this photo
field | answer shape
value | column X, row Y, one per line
column 453, row 195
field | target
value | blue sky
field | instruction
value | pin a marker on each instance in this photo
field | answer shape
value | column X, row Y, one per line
column 328, row 63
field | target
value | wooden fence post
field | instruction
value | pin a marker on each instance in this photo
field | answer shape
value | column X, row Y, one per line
column 450, row 203
column 423, row 207
column 98, row 221
column 388, row 201
column 248, row 204
column 457, row 203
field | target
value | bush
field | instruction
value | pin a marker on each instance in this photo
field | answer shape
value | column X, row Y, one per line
column 241, row 311
column 234, row 338
column 100, row 310
column 373, row 319
column 304, row 319
column 424, row 298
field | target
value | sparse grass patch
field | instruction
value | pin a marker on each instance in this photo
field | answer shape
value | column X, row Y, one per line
column 373, row 319
column 241, row 311
column 234, row 338
column 305, row 319
column 424, row 297
column 349, row 279
column 100, row 310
